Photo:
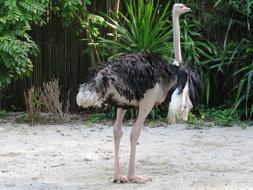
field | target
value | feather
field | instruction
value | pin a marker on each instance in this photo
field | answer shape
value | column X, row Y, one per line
column 129, row 77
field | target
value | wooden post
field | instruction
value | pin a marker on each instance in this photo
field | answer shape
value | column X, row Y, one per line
column 116, row 9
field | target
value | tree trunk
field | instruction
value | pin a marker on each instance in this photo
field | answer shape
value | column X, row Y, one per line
column 116, row 9
column 116, row 6
column 95, row 57
column 1, row 98
column 92, row 58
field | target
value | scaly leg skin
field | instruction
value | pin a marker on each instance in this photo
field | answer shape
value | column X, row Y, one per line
column 117, row 133
column 144, row 109
column 171, row 117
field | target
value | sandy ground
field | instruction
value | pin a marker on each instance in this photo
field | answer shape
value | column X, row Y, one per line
column 75, row 157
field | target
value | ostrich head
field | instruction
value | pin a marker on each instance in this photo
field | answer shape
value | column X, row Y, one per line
column 179, row 9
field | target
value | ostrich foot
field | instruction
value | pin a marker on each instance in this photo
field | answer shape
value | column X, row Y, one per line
column 120, row 179
column 139, row 179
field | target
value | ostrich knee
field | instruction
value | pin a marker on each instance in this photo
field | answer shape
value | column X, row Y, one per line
column 117, row 133
column 134, row 136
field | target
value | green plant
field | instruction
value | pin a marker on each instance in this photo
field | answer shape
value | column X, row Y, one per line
column 76, row 11
column 199, row 53
column 220, row 117
column 21, row 118
column 206, row 117
column 236, row 53
column 16, row 44
column 196, row 122
column 144, row 27
column 225, row 118
column 243, row 125
column 3, row 113
column 95, row 117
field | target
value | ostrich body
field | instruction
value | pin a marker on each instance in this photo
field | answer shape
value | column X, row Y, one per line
column 138, row 79
column 126, row 80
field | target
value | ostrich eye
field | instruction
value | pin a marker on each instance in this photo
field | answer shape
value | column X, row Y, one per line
column 181, row 7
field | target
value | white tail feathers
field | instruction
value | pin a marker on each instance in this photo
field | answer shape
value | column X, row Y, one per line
column 186, row 103
column 174, row 107
column 180, row 105
column 87, row 98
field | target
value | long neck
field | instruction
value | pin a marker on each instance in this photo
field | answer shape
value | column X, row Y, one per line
column 176, row 38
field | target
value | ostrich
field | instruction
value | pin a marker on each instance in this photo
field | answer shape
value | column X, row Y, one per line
column 140, row 80
column 181, row 103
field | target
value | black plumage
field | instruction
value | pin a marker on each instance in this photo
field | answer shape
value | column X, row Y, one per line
column 133, row 74
column 184, row 74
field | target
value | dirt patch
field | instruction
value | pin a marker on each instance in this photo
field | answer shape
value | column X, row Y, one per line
column 73, row 157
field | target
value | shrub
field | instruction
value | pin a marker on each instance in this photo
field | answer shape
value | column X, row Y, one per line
column 33, row 104
column 144, row 28
column 46, row 98
column 76, row 11
column 16, row 45
column 50, row 96
column 236, row 53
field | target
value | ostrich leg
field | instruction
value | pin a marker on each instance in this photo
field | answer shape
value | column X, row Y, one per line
column 144, row 109
column 117, row 133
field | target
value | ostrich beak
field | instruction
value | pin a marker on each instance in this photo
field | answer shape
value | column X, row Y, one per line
column 186, row 9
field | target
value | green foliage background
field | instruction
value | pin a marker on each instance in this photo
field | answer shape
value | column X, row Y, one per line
column 224, row 59
column 235, row 52
column 16, row 44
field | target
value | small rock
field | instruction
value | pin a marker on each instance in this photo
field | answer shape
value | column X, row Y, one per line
column 87, row 159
